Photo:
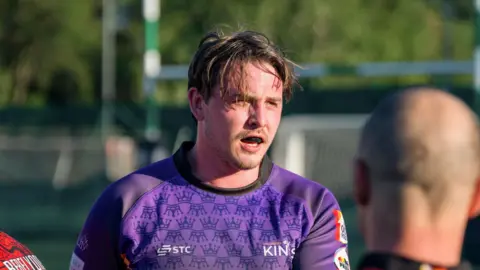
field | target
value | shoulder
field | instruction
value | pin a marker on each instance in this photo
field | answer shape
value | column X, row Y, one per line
column 290, row 183
column 316, row 197
column 13, row 252
column 9, row 243
column 124, row 192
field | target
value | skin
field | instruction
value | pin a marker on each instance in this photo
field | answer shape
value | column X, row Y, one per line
column 218, row 157
column 416, row 176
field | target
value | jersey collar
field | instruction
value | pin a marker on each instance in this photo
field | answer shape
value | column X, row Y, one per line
column 185, row 169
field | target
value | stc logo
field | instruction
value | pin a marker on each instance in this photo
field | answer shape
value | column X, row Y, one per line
column 169, row 249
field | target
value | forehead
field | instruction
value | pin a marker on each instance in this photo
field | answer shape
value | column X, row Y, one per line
column 254, row 79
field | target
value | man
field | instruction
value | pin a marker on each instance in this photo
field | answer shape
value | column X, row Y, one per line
column 14, row 255
column 416, row 180
column 220, row 202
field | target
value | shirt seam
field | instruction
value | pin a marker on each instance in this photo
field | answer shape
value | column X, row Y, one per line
column 303, row 201
column 321, row 204
column 129, row 211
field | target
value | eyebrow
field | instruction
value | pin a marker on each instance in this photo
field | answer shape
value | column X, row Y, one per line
column 275, row 99
column 250, row 97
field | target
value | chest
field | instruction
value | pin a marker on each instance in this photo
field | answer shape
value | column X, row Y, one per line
column 190, row 230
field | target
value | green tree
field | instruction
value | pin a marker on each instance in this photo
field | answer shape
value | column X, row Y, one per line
column 50, row 51
column 45, row 45
column 332, row 31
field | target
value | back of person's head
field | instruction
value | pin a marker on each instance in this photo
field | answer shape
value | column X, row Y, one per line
column 418, row 165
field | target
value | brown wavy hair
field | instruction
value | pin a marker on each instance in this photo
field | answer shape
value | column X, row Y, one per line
column 221, row 58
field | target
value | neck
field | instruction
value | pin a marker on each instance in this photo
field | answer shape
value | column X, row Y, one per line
column 439, row 245
column 212, row 169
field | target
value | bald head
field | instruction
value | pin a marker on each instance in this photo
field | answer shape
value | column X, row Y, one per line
column 424, row 137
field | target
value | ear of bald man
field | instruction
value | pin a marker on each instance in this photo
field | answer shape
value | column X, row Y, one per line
column 362, row 193
column 475, row 205
column 403, row 205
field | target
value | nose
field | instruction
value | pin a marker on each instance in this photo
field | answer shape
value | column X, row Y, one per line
column 258, row 117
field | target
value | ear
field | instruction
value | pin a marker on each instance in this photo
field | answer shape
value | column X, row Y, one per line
column 475, row 204
column 195, row 101
column 361, row 185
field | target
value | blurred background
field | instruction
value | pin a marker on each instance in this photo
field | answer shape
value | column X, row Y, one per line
column 91, row 90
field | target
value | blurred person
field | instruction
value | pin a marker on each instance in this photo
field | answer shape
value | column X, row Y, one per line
column 220, row 202
column 417, row 180
column 14, row 255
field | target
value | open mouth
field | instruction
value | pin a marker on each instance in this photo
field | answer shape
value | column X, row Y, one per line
column 252, row 140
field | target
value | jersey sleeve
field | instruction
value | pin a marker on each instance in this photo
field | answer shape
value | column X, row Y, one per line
column 325, row 247
column 97, row 244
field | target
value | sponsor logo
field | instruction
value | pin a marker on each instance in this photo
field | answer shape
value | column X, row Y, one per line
column 341, row 259
column 278, row 249
column 76, row 263
column 341, row 229
column 29, row 262
column 164, row 250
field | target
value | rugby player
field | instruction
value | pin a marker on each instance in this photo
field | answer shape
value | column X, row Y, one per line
column 14, row 255
column 220, row 202
column 417, row 180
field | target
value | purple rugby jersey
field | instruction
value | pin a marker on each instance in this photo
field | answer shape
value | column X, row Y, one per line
column 162, row 217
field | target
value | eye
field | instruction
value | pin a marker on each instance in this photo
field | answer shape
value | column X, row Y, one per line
column 237, row 103
column 241, row 103
column 273, row 104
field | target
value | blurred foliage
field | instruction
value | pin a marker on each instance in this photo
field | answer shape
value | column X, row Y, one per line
column 50, row 50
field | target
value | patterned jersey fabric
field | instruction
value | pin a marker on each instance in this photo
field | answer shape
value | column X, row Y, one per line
column 162, row 217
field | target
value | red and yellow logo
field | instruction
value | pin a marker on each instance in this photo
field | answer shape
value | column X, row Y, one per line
column 340, row 230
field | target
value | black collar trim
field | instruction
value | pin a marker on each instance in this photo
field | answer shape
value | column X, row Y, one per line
column 384, row 261
column 185, row 170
